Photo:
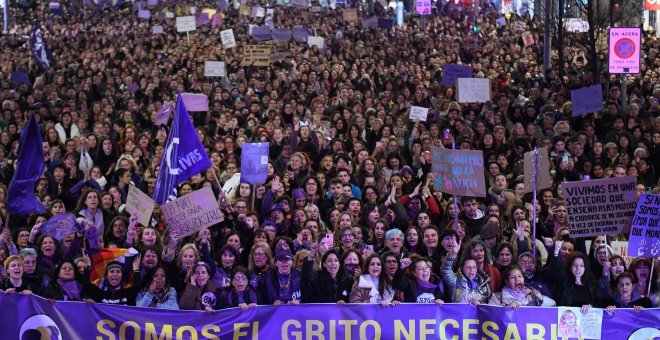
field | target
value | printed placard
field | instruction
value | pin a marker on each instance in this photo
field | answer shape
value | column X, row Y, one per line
column 194, row 211
column 473, row 90
column 141, row 204
column 185, row 24
column 459, row 172
column 645, row 229
column 319, row 42
column 624, row 47
column 599, row 207
column 227, row 38
column 214, row 69
column 418, row 113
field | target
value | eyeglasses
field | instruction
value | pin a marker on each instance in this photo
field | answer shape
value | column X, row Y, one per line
column 259, row 255
column 527, row 262
column 347, row 236
column 240, row 278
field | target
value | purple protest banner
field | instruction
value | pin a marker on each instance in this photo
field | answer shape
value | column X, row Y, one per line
column 300, row 34
column 164, row 113
column 587, row 100
column 601, row 206
column 451, row 72
column 645, row 229
column 196, row 102
column 24, row 315
column 20, row 78
column 281, row 34
column 261, row 33
column 144, row 14
column 254, row 163
column 139, row 5
column 385, row 23
column 59, row 226
column 459, row 172
column 201, row 19
column 152, row 2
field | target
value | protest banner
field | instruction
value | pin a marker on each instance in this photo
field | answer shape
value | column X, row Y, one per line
column 300, row 34
column 59, row 226
column 279, row 50
column 157, row 29
column 260, row 33
column 587, row 100
column 196, row 102
column 572, row 323
column 202, row 19
column 645, row 230
column 281, row 33
column 451, row 72
column 599, row 207
column 350, row 15
column 144, row 14
column 194, row 211
column 423, row 7
column 473, row 90
column 185, row 24
column 319, row 42
column 18, row 77
column 214, row 69
column 543, row 170
column 370, row 22
column 254, row 163
column 256, row 55
column 418, row 113
column 459, row 172
column 141, row 204
column 227, row 37
column 528, row 39
column 74, row 320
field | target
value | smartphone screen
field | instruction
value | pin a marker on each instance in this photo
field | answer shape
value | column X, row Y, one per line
column 553, row 203
column 329, row 240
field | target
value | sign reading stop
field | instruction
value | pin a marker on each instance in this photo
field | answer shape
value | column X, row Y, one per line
column 625, row 43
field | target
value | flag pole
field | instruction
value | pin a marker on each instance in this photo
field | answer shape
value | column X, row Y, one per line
column 648, row 290
column 536, row 156
column 453, row 147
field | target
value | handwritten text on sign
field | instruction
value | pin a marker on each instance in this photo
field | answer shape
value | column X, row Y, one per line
column 459, row 172
column 645, row 230
column 600, row 207
column 141, row 204
column 194, row 211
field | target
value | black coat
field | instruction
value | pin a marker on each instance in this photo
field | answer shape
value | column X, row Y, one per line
column 319, row 287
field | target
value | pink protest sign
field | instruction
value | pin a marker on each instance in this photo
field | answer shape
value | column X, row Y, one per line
column 625, row 43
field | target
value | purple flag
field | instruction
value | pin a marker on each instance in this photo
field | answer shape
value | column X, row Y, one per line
column 261, row 33
column 254, row 163
column 184, row 155
column 55, row 8
column 201, row 18
column 163, row 115
column 133, row 88
column 39, row 49
column 60, row 226
column 153, row 2
column 281, row 33
column 30, row 167
column 196, row 102
column 139, row 5
column 144, row 14
column 20, row 78
column 385, row 23
column 217, row 19
column 300, row 34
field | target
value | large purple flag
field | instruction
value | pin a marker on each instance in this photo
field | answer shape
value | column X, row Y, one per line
column 22, row 200
column 163, row 115
column 39, row 49
column 184, row 155
column 59, row 226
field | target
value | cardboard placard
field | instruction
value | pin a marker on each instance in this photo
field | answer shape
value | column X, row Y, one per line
column 257, row 55
column 141, row 204
column 599, row 207
column 194, row 211
column 350, row 15
column 279, row 50
column 543, row 170
column 459, row 172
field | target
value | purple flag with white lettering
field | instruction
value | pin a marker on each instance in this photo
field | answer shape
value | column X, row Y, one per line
column 39, row 49
column 184, row 155
column 21, row 198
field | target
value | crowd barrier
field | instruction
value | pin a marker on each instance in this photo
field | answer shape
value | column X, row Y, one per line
column 32, row 317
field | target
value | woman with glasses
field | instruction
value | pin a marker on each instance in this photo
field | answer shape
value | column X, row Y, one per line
column 419, row 284
column 240, row 294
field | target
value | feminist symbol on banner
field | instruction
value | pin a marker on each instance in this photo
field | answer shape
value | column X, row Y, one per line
column 624, row 48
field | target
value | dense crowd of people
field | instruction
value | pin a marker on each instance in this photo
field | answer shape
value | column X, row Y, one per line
column 348, row 213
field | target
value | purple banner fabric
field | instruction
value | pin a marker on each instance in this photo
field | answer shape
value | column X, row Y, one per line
column 164, row 113
column 587, row 100
column 196, row 102
column 281, row 33
column 451, row 72
column 24, row 316
column 261, row 33
column 20, row 78
column 21, row 197
column 254, row 163
column 59, row 226
column 39, row 49
column 300, row 34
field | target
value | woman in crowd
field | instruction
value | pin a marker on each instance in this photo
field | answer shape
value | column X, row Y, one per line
column 240, row 294
column 469, row 284
column 373, row 286
column 200, row 292
column 515, row 294
column 157, row 291
column 421, row 285
column 330, row 284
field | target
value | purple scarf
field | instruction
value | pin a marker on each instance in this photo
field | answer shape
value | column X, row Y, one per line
column 71, row 289
column 518, row 296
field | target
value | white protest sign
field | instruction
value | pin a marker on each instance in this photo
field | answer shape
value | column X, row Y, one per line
column 141, row 204
column 192, row 212
column 259, row 12
column 185, row 24
column 169, row 15
column 599, row 207
column 315, row 41
column 227, row 37
column 418, row 112
column 193, row 10
column 158, row 29
column 214, row 69
column 473, row 90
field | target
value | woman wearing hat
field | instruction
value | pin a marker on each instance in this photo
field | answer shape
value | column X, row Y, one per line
column 200, row 292
column 113, row 289
column 282, row 284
